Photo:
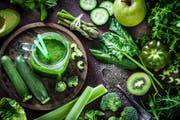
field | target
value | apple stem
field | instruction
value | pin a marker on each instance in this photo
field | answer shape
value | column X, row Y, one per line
column 128, row 2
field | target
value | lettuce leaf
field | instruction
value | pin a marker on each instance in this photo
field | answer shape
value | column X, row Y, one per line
column 11, row 110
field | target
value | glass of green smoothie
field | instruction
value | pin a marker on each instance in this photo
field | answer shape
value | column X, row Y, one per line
column 59, row 51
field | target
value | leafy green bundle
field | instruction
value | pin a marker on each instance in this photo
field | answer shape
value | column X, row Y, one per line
column 165, row 21
column 165, row 107
column 42, row 5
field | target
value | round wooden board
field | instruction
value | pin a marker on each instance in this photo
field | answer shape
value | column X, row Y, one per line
column 27, row 34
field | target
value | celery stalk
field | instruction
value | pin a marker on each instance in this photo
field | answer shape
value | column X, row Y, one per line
column 61, row 112
column 80, row 104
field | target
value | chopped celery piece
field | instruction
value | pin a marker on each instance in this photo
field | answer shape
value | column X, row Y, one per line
column 80, row 104
column 80, row 65
column 61, row 112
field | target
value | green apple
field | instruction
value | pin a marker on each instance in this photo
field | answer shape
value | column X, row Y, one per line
column 129, row 12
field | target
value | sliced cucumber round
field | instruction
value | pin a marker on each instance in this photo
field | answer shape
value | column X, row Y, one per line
column 107, row 5
column 88, row 5
column 99, row 16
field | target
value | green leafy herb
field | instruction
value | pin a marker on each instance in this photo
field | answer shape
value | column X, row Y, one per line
column 11, row 110
column 42, row 5
column 93, row 114
column 165, row 20
column 165, row 107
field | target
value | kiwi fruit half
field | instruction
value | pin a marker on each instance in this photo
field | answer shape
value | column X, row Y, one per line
column 138, row 83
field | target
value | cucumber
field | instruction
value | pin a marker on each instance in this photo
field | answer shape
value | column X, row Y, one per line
column 35, row 85
column 15, row 78
column 99, row 16
column 107, row 5
column 88, row 5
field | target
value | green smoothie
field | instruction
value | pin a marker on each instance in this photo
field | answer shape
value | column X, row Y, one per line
column 55, row 49
column 58, row 48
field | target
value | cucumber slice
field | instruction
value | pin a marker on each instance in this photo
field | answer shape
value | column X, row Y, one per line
column 107, row 5
column 88, row 5
column 99, row 16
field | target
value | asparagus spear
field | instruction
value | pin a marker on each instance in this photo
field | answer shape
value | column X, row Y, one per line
column 88, row 30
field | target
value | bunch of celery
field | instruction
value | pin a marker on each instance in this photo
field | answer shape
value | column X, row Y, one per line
column 72, row 109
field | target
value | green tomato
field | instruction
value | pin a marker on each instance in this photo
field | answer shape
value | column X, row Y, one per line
column 155, row 55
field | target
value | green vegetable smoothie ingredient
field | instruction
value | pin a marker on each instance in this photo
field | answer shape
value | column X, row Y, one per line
column 155, row 55
column 50, row 54
column 56, row 51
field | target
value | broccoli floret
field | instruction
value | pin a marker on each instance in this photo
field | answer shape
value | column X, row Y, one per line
column 129, row 113
column 72, row 81
column 110, row 101
column 60, row 86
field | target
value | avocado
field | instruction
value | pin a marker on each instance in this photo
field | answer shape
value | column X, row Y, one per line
column 9, row 19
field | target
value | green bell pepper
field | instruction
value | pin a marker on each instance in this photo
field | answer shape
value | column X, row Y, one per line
column 155, row 55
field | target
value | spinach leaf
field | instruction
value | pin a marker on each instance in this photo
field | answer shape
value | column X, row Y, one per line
column 125, row 38
column 102, row 53
column 112, row 46
column 117, row 47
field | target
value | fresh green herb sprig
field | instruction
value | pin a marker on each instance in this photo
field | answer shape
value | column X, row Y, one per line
column 165, row 22
column 165, row 107
column 42, row 5
column 92, row 115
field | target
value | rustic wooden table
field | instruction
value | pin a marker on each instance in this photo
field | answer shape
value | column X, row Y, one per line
column 30, row 16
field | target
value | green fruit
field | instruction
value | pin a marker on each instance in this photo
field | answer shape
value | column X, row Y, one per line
column 129, row 12
column 138, row 83
column 9, row 19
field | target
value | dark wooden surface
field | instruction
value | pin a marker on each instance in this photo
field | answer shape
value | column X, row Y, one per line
column 27, row 34
column 30, row 16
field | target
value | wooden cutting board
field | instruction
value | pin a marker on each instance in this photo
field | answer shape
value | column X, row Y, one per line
column 27, row 34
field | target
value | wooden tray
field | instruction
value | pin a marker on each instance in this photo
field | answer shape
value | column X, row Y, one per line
column 27, row 34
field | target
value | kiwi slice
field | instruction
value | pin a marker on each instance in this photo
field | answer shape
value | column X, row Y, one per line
column 138, row 83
